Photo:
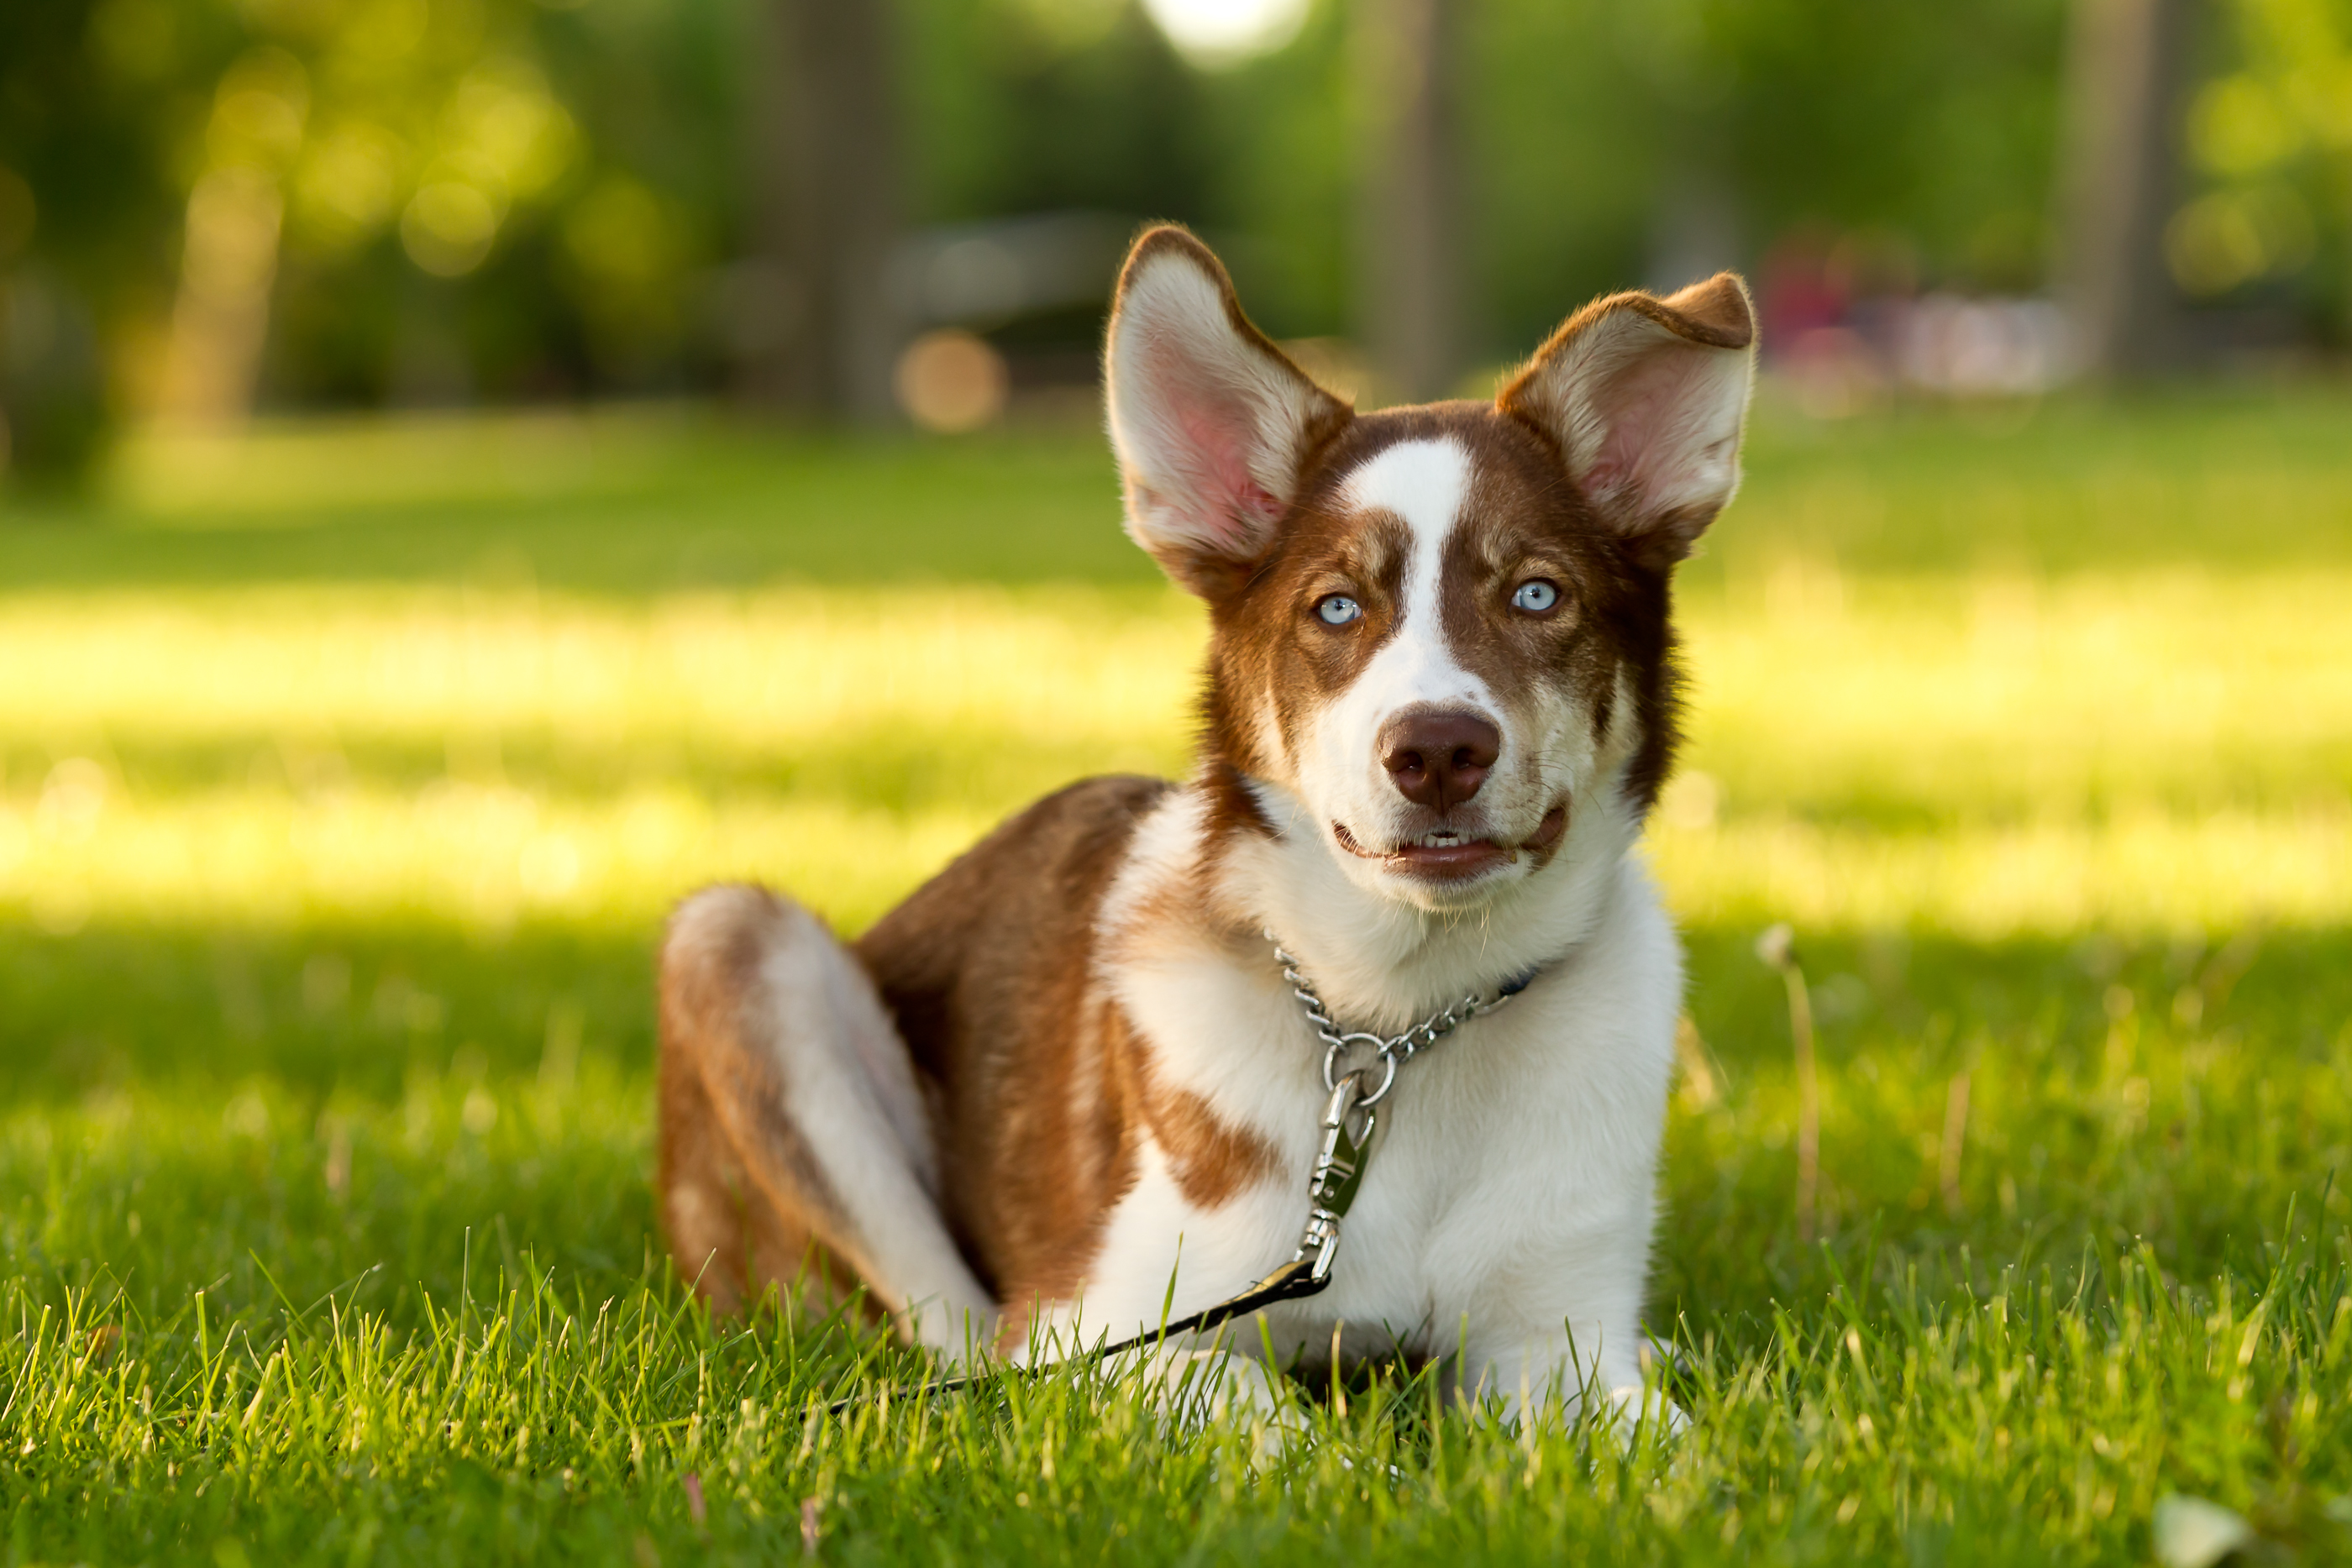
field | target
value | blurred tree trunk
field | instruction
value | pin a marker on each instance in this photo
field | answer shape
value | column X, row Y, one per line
column 1410, row 263
column 828, row 211
column 220, row 315
column 2127, row 71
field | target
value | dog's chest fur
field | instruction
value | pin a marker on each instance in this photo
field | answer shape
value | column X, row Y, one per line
column 1503, row 1149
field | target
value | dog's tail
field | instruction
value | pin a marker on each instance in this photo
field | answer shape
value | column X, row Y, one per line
column 794, row 1148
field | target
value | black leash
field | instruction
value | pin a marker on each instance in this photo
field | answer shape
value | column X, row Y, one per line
column 1293, row 1281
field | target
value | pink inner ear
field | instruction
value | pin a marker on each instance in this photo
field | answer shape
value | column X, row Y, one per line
column 1215, row 488
column 1658, row 411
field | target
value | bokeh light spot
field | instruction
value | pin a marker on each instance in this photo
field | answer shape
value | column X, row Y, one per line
column 952, row 382
column 1225, row 32
column 449, row 227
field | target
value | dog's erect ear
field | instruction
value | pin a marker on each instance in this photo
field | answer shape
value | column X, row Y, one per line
column 1211, row 422
column 1647, row 398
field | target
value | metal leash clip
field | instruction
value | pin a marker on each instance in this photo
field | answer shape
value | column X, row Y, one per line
column 1349, row 1121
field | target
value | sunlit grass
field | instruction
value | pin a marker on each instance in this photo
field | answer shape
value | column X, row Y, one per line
column 279, row 1325
column 346, row 774
column 1987, row 755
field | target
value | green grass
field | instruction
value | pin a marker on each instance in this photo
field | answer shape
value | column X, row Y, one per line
column 345, row 773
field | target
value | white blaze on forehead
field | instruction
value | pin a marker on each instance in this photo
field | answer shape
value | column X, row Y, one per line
column 1424, row 483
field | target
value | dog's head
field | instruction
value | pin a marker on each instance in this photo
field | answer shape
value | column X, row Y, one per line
column 1440, row 631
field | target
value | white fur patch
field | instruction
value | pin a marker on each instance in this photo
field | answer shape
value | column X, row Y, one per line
column 1423, row 482
column 1510, row 1209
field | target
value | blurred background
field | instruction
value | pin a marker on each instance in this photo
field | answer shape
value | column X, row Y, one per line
column 882, row 213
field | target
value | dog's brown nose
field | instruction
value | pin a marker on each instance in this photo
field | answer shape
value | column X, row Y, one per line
column 1439, row 756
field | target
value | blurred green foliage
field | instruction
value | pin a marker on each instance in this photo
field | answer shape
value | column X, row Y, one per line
column 489, row 198
column 502, row 199
column 2270, row 137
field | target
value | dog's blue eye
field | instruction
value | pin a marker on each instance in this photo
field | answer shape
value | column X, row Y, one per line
column 1536, row 596
column 1338, row 610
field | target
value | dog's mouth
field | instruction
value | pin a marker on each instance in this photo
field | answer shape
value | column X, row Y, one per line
column 1448, row 854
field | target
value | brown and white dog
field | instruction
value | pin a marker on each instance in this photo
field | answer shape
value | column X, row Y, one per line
column 1439, row 701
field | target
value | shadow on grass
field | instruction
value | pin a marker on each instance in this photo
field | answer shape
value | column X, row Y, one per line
column 632, row 502
column 358, row 1007
column 699, row 506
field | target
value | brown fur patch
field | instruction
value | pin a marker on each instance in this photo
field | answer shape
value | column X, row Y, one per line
column 988, row 971
column 1212, row 1160
column 1037, row 1086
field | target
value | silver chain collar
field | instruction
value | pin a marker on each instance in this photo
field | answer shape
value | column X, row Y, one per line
column 1348, row 1120
column 1392, row 1051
